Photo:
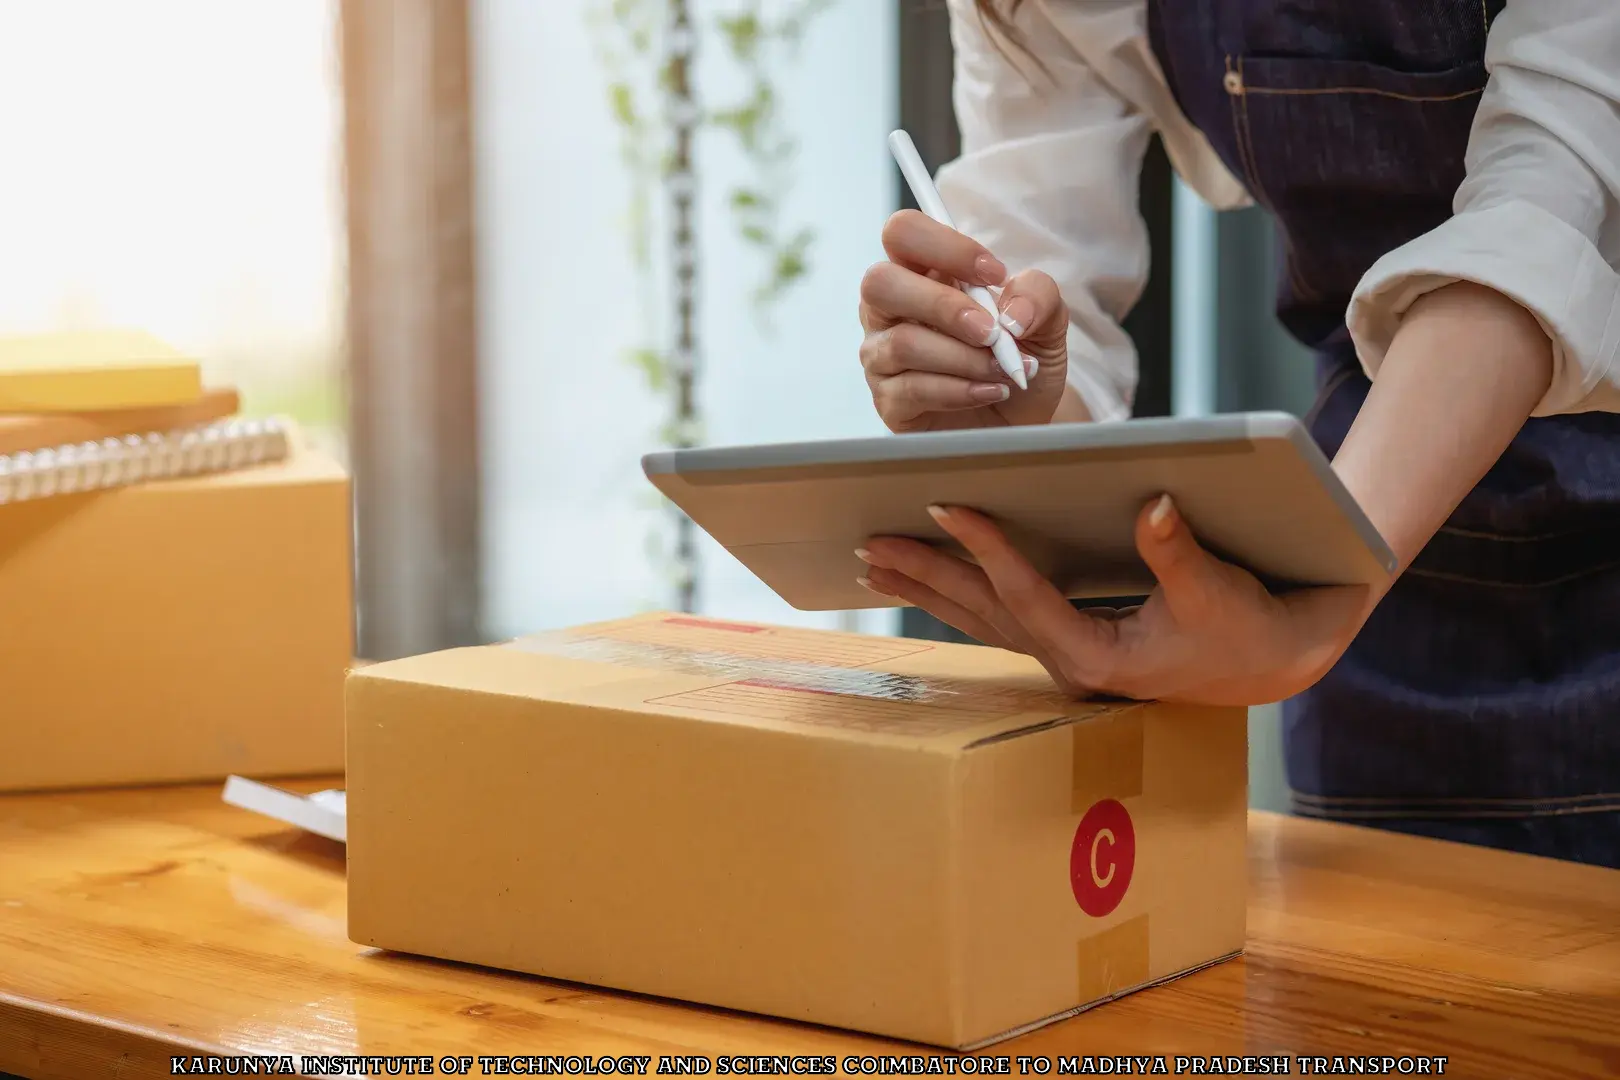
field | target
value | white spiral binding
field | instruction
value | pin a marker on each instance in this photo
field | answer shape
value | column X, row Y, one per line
column 93, row 466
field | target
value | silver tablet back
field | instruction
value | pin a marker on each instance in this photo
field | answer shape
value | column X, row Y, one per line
column 1254, row 488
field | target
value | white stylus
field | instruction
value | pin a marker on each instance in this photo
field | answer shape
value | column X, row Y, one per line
column 927, row 196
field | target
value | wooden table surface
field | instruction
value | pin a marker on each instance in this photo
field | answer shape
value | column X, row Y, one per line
column 139, row 924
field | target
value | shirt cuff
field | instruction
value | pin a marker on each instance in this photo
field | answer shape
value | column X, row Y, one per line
column 1104, row 401
column 1523, row 252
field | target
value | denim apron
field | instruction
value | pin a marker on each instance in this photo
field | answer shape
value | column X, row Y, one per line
column 1481, row 703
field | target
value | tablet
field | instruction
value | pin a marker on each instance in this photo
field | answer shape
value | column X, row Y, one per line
column 1254, row 488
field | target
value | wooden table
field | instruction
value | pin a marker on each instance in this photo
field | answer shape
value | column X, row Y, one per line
column 139, row 924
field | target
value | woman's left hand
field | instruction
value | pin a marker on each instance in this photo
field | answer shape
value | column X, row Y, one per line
column 1210, row 633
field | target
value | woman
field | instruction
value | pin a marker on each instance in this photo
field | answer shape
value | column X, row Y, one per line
column 1446, row 179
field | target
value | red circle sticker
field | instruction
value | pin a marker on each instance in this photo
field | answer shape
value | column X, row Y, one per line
column 1102, row 858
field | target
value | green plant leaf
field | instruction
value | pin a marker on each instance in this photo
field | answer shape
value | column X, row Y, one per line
column 651, row 364
column 681, row 431
column 790, row 267
column 792, row 260
column 744, row 121
column 623, row 103
column 764, row 101
column 742, row 34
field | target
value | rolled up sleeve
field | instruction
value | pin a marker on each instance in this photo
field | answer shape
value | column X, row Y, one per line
column 1047, row 177
column 1537, row 217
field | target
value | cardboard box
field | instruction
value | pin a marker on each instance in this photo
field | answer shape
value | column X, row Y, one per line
column 912, row 839
column 177, row 630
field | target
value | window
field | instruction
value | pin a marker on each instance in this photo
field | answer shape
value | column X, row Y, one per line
column 172, row 165
column 564, row 416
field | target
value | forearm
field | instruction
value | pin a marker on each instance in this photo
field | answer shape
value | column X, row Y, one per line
column 1461, row 377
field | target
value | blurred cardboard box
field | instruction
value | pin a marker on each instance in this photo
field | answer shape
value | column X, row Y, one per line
column 913, row 839
column 178, row 629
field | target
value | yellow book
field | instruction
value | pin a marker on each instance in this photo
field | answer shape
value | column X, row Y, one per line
column 94, row 370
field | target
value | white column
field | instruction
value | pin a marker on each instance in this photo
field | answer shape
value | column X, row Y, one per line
column 1193, row 295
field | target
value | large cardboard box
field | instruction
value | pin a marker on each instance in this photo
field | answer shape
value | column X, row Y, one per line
column 177, row 630
column 908, row 838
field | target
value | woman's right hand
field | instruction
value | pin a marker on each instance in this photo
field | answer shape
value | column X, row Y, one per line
column 926, row 352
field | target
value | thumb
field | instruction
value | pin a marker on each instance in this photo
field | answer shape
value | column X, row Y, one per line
column 1188, row 575
column 1033, row 311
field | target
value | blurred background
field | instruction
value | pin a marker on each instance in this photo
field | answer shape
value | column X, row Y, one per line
column 491, row 251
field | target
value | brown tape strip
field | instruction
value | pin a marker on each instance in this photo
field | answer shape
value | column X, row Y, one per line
column 1114, row 960
column 1107, row 758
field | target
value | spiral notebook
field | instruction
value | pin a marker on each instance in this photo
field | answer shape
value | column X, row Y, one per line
column 115, row 462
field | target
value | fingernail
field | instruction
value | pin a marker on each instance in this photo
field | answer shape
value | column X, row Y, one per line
column 981, row 327
column 990, row 269
column 1159, row 518
column 1017, row 315
column 1031, row 365
column 863, row 555
column 939, row 514
column 989, row 394
column 866, row 583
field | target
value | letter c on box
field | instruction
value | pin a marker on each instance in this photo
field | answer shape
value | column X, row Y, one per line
column 1102, row 858
column 1101, row 880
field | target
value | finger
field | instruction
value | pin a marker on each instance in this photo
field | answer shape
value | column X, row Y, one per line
column 1084, row 647
column 873, row 319
column 894, row 294
column 902, row 398
column 915, row 240
column 1033, row 311
column 1188, row 575
column 892, row 583
column 910, row 347
column 958, row 582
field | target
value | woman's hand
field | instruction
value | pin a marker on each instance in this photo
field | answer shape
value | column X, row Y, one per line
column 1209, row 634
column 926, row 352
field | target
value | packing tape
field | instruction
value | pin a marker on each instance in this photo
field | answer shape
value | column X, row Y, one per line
column 1114, row 961
column 1107, row 758
column 659, row 656
column 791, row 672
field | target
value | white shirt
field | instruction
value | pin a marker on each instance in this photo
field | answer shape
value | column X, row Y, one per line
column 1049, row 169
